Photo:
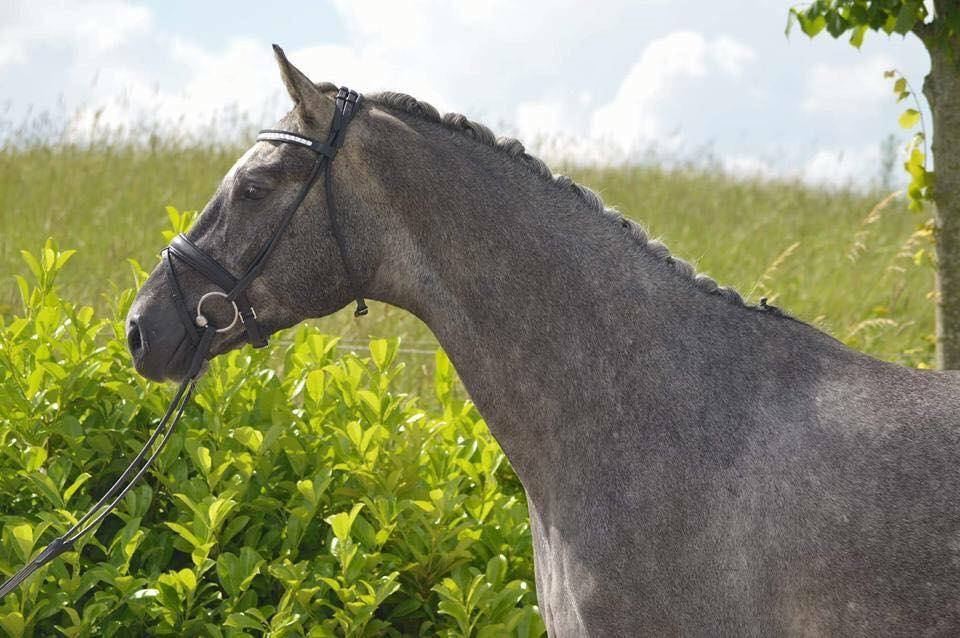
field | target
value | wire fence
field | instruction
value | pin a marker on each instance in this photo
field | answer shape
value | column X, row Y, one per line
column 418, row 348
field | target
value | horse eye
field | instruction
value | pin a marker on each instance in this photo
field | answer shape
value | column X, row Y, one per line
column 253, row 191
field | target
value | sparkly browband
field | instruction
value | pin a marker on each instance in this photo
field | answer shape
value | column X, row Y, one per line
column 272, row 135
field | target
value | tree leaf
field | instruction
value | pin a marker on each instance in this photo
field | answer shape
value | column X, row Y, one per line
column 242, row 621
column 836, row 24
column 812, row 26
column 856, row 35
column 909, row 118
column 908, row 16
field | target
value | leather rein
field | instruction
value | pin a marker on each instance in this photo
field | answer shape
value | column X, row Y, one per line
column 201, row 331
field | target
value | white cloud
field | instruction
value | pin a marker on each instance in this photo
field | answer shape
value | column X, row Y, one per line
column 209, row 88
column 389, row 23
column 86, row 28
column 205, row 87
column 11, row 53
column 535, row 119
column 838, row 167
column 637, row 117
column 848, row 88
column 842, row 167
column 750, row 166
column 731, row 56
column 390, row 45
column 634, row 118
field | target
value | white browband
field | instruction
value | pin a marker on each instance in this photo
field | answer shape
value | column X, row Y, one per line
column 271, row 136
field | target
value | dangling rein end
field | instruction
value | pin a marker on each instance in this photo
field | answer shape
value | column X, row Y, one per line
column 128, row 478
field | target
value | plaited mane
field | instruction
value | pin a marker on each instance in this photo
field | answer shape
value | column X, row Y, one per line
column 514, row 148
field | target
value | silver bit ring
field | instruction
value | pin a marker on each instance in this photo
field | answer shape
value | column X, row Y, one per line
column 203, row 322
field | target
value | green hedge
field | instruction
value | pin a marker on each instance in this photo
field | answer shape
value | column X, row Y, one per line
column 301, row 495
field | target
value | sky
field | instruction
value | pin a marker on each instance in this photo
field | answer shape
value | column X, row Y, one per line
column 599, row 81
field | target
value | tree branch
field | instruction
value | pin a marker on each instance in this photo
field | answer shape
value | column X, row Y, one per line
column 924, row 31
column 940, row 8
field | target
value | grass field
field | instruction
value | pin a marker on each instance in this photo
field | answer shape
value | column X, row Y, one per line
column 832, row 258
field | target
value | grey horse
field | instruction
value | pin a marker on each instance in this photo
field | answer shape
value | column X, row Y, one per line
column 694, row 465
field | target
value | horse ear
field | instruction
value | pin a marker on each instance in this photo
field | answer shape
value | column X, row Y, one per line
column 304, row 93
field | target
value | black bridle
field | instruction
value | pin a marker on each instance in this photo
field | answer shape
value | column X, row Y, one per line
column 234, row 289
column 201, row 331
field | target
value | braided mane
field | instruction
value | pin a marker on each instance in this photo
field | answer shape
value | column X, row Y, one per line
column 514, row 148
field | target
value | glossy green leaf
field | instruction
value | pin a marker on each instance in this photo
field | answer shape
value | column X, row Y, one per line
column 23, row 536
column 13, row 624
column 78, row 482
column 185, row 533
column 342, row 522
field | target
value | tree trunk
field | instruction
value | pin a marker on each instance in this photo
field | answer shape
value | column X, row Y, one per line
column 942, row 89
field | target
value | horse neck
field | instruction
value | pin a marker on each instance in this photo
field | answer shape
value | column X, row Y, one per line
column 561, row 326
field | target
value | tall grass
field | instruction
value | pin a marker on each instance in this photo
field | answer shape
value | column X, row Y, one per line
column 834, row 258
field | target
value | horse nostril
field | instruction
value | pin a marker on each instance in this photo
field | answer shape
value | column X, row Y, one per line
column 134, row 338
